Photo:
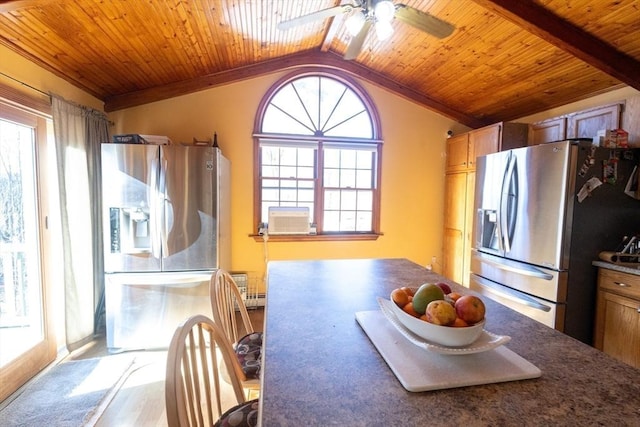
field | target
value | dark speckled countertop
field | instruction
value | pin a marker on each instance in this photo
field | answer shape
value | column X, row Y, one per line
column 320, row 369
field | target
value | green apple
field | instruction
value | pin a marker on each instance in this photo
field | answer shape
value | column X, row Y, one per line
column 424, row 295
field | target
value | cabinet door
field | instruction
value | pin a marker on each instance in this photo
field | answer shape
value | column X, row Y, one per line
column 457, row 153
column 453, row 247
column 548, row 131
column 482, row 142
column 620, row 327
column 586, row 124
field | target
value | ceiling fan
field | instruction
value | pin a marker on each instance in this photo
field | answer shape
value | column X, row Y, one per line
column 378, row 14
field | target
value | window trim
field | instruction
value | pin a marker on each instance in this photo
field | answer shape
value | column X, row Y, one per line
column 375, row 140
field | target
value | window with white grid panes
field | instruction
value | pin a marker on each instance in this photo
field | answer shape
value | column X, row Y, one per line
column 317, row 148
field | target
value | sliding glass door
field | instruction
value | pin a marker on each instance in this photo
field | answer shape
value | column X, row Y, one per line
column 26, row 336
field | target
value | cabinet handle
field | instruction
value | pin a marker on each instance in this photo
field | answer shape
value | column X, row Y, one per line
column 622, row 285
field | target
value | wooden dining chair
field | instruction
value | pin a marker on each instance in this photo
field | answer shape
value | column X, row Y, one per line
column 193, row 392
column 230, row 312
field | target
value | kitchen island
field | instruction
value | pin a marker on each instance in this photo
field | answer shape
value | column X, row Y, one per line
column 320, row 368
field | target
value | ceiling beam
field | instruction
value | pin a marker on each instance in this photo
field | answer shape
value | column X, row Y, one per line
column 541, row 22
column 309, row 58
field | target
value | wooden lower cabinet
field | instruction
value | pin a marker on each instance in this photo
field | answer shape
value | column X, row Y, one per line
column 617, row 330
column 458, row 223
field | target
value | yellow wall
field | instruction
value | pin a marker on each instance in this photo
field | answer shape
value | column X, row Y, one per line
column 18, row 68
column 412, row 170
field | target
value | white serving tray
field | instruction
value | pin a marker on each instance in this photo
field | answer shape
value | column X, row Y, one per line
column 420, row 370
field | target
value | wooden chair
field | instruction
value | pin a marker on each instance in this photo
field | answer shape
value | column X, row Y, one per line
column 192, row 385
column 230, row 312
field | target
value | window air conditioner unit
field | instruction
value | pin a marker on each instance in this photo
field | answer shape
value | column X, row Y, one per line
column 288, row 220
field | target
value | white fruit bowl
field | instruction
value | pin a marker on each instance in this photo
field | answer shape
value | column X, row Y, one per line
column 443, row 335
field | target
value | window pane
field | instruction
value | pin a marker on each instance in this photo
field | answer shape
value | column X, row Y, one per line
column 270, row 155
column 270, row 171
column 270, row 194
column 21, row 313
column 364, row 159
column 331, row 158
column 348, row 199
column 332, row 177
column 357, row 127
column 305, row 195
column 348, row 159
column 331, row 220
column 306, row 172
column 365, row 201
column 288, row 172
column 363, row 222
column 288, row 156
column 275, row 121
column 306, row 157
column 364, row 179
column 347, row 221
column 347, row 178
column 307, row 89
column 332, row 200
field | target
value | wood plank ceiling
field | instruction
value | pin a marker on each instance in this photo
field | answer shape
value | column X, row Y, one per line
column 505, row 59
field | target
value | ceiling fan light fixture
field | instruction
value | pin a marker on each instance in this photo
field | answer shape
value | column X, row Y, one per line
column 384, row 11
column 384, row 30
column 354, row 23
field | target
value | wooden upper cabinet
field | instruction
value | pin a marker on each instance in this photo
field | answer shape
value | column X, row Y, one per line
column 582, row 124
column 484, row 141
column 586, row 124
column 458, row 153
column 550, row 130
column 463, row 149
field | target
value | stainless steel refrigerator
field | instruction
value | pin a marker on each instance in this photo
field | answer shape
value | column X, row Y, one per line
column 543, row 214
column 166, row 228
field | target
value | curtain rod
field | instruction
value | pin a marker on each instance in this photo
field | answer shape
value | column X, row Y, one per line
column 25, row 84
column 49, row 95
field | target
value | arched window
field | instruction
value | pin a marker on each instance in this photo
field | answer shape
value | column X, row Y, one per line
column 318, row 148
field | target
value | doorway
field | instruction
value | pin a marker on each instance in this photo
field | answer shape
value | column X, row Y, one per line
column 27, row 339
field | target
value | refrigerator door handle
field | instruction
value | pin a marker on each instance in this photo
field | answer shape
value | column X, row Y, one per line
column 162, row 207
column 510, row 294
column 156, row 213
column 524, row 270
column 505, row 238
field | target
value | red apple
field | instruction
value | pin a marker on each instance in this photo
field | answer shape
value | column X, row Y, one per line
column 470, row 308
column 445, row 288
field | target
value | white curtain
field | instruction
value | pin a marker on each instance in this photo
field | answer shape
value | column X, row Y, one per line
column 78, row 133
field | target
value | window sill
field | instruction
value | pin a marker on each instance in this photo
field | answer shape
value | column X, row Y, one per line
column 316, row 237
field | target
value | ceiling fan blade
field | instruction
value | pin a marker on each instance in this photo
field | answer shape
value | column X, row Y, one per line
column 316, row 16
column 356, row 42
column 423, row 21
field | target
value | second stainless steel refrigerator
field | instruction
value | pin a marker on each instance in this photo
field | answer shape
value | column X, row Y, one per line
column 166, row 227
column 543, row 214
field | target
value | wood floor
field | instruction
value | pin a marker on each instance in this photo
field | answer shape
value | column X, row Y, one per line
column 140, row 401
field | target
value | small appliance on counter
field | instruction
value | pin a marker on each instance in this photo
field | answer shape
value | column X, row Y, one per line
column 626, row 254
